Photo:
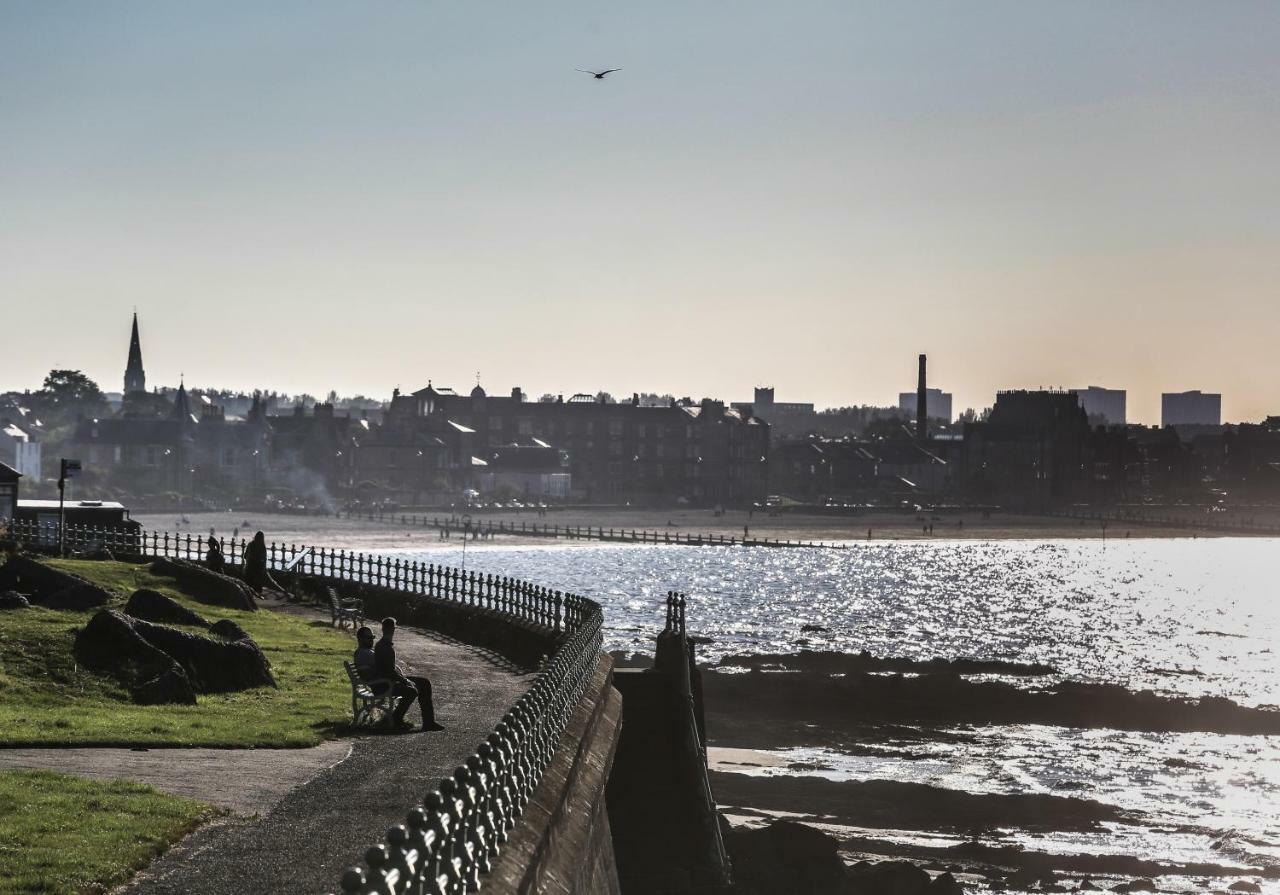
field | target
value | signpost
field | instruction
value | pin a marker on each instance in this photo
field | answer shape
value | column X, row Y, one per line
column 68, row 469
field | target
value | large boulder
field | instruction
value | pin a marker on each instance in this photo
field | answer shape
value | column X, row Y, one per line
column 945, row 884
column 229, row 630
column 78, row 597
column 786, row 857
column 153, row 606
column 50, row 587
column 207, row 586
column 11, row 599
column 209, row 665
column 111, row 643
column 214, row 665
column 887, row 878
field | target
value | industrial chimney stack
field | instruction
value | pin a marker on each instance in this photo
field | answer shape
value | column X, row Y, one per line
column 922, row 406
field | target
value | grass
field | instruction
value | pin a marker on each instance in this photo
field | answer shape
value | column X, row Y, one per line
column 46, row 700
column 61, row 834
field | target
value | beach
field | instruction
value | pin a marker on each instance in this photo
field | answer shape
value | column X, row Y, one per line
column 388, row 532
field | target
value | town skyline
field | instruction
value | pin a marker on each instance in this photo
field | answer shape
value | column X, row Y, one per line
column 131, row 372
column 312, row 194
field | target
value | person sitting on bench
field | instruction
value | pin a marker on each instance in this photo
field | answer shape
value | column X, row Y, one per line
column 364, row 659
column 407, row 688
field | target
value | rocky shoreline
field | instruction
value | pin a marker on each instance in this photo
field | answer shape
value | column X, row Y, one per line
column 937, row 839
column 815, row 708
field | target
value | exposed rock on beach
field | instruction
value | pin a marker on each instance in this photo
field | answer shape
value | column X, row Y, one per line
column 810, row 708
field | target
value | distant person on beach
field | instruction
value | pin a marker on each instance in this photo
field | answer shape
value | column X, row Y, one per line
column 213, row 558
column 255, row 565
column 407, row 688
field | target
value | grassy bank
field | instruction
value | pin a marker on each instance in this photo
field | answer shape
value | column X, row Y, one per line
column 61, row 834
column 46, row 700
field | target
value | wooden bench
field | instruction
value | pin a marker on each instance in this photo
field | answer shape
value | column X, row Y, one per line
column 369, row 709
column 343, row 611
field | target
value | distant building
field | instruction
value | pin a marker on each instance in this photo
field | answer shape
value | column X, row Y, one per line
column 19, row 449
column 843, row 469
column 939, row 404
column 763, row 403
column 1106, row 403
column 1030, row 452
column 534, row 471
column 794, row 418
column 95, row 513
column 702, row 452
column 1193, row 408
column 8, row 491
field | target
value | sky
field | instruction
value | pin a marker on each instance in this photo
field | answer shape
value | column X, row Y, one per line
column 360, row 196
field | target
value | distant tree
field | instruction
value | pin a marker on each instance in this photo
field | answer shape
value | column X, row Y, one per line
column 547, row 398
column 69, row 388
column 653, row 399
column 973, row 416
column 66, row 395
column 605, row 398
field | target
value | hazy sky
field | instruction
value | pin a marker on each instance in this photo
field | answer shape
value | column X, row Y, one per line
column 359, row 195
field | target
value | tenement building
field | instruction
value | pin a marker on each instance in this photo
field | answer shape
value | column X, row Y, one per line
column 703, row 452
column 1031, row 452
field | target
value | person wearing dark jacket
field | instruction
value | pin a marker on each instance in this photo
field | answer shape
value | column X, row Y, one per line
column 214, row 559
column 255, row 565
column 407, row 688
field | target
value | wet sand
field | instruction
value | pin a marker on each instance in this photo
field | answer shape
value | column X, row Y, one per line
column 389, row 533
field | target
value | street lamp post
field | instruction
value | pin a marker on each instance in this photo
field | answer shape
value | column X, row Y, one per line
column 67, row 469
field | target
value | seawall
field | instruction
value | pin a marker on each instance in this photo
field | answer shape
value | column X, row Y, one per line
column 563, row 843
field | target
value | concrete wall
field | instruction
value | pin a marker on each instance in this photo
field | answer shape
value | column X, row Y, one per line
column 563, row 844
column 667, row 835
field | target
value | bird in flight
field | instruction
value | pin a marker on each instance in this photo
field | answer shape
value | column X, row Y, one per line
column 598, row 75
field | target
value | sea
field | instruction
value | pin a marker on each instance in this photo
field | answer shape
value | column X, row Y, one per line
column 1180, row 617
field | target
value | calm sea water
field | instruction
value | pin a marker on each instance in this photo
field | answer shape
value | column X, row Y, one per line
column 1182, row 617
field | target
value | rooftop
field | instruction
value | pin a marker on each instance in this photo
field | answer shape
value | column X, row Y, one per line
column 71, row 505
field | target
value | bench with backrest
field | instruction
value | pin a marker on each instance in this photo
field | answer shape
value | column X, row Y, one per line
column 343, row 611
column 369, row 709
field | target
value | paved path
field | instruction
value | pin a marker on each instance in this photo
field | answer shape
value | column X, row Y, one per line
column 319, row 828
column 301, row 816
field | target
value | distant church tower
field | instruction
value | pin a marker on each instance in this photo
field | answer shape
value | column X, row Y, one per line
column 135, row 379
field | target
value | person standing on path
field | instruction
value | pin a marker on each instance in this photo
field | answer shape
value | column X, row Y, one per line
column 255, row 565
column 407, row 688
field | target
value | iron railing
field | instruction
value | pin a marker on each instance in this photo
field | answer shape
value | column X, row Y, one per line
column 447, row 844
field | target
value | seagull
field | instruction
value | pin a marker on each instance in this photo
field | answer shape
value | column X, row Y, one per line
column 598, row 75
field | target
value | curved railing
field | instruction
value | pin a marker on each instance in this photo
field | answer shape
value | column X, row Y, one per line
column 448, row 842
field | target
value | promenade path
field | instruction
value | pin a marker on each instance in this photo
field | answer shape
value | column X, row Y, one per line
column 299, row 817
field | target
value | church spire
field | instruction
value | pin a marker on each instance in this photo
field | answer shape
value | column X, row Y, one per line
column 181, row 406
column 135, row 379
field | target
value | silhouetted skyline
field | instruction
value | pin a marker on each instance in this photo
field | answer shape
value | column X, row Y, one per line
column 317, row 195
